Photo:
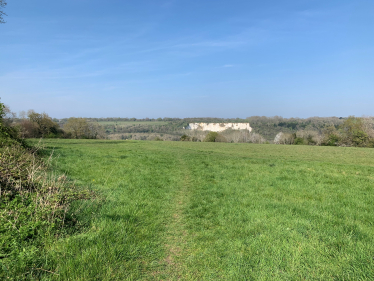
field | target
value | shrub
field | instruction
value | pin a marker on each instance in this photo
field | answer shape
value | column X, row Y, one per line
column 354, row 132
column 43, row 125
column 310, row 140
column 8, row 135
column 330, row 136
column 211, row 137
column 279, row 138
column 284, row 138
column 80, row 128
column 185, row 138
column 371, row 143
column 33, row 203
column 331, row 140
column 298, row 141
column 256, row 138
column 220, row 138
column 360, row 138
column 33, row 206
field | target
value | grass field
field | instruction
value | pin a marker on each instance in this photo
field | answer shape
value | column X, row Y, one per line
column 218, row 211
column 130, row 123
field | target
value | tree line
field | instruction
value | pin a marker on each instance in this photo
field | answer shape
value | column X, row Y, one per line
column 41, row 125
column 268, row 127
column 353, row 131
column 331, row 131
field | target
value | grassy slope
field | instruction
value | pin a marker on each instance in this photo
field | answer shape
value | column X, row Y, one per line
column 208, row 211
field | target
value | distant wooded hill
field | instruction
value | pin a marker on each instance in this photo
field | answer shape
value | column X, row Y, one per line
column 334, row 131
column 268, row 127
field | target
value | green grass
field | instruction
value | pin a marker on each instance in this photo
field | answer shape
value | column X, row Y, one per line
column 130, row 123
column 218, row 211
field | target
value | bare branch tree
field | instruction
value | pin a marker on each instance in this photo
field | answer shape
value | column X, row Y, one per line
column 2, row 6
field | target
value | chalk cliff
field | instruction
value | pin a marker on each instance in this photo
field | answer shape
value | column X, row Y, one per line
column 218, row 127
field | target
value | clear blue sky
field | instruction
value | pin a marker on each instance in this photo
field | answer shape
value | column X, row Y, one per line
column 188, row 58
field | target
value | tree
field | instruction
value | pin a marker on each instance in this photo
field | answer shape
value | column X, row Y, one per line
column 8, row 134
column 298, row 141
column 220, row 138
column 2, row 113
column 22, row 114
column 80, row 128
column 2, row 14
column 8, row 115
column 211, row 137
column 354, row 132
column 331, row 136
column 77, row 127
column 95, row 131
column 43, row 124
column 185, row 138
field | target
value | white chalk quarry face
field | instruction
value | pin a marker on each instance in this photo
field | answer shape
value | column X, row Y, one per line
column 219, row 127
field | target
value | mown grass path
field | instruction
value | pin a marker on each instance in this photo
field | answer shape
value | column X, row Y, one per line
column 213, row 211
column 176, row 233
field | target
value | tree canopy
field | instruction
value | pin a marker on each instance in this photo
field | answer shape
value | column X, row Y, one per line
column 79, row 128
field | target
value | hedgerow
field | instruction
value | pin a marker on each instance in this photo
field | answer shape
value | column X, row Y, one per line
column 34, row 206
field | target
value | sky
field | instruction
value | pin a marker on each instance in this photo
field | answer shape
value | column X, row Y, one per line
column 188, row 58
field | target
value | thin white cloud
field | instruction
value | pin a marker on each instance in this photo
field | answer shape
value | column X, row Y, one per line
column 168, row 4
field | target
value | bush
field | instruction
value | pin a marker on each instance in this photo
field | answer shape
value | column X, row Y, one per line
column 33, row 204
column 371, row 143
column 211, row 137
column 298, row 141
column 331, row 136
column 80, row 128
column 185, row 138
column 310, row 140
column 354, row 132
column 331, row 140
column 220, row 138
column 8, row 135
column 39, row 126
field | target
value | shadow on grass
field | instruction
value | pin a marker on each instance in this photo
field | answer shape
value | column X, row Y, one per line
column 123, row 218
column 81, row 215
